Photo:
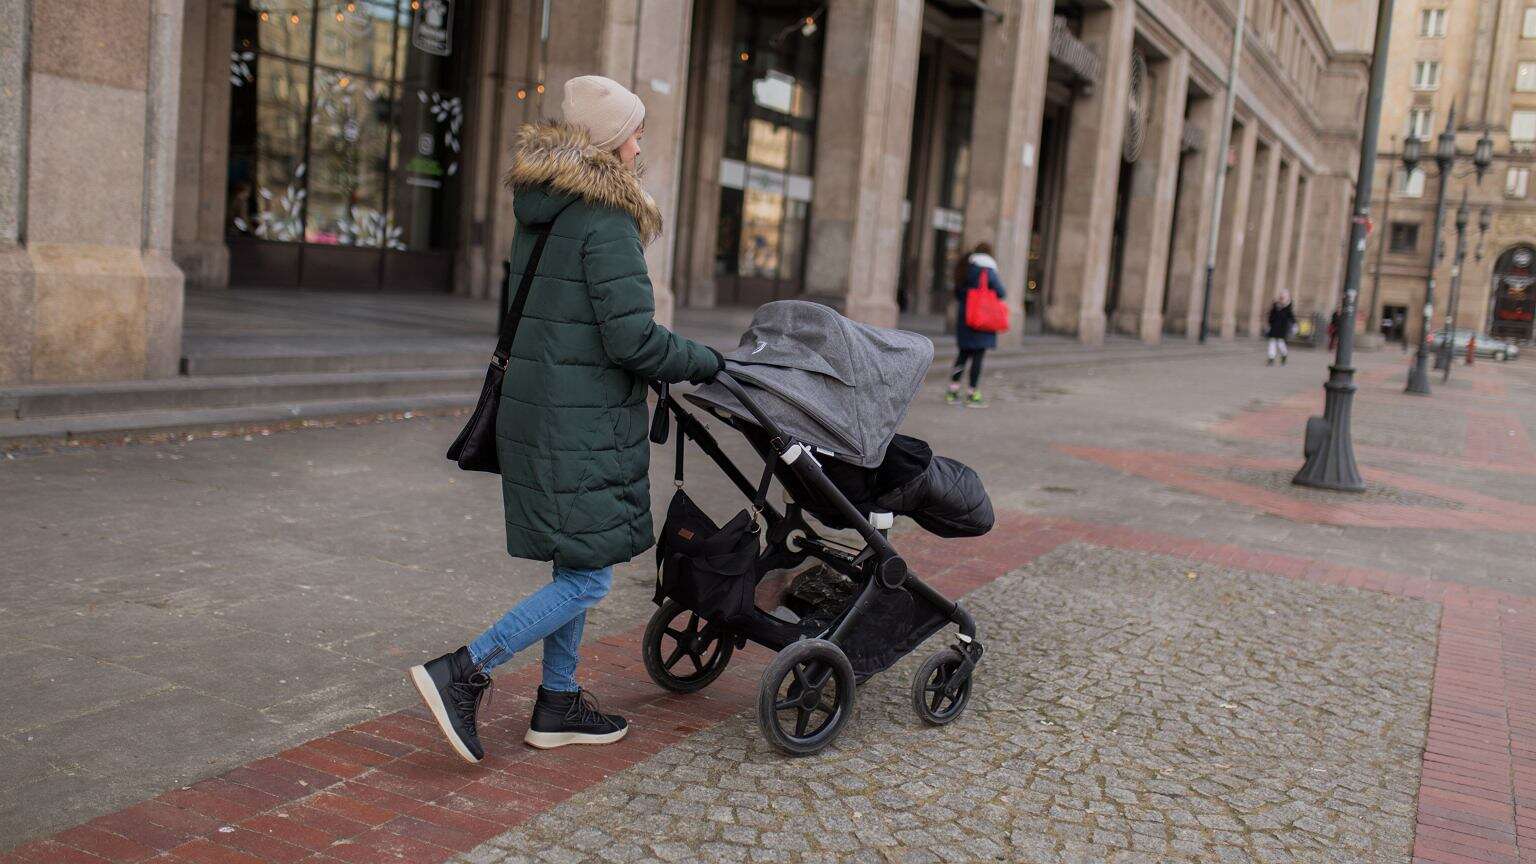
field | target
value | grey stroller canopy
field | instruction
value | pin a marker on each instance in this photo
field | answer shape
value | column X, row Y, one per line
column 838, row 385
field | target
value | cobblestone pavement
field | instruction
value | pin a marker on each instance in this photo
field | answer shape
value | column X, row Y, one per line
column 180, row 612
column 1130, row 708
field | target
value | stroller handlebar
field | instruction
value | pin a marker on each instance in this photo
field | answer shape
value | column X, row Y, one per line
column 732, row 386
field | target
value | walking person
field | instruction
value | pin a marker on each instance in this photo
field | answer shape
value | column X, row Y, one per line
column 1282, row 322
column 571, row 427
column 975, row 269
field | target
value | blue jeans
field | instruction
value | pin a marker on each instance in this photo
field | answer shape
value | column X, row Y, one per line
column 555, row 613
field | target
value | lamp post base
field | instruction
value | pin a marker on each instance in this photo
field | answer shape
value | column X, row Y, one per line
column 1418, row 375
column 1329, row 447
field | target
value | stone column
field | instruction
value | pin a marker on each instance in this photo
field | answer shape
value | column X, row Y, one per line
column 1144, row 267
column 1281, row 251
column 1257, row 286
column 1229, row 254
column 18, row 299
column 644, row 52
column 1303, row 235
column 98, row 173
column 1186, row 276
column 202, row 145
column 1092, row 167
column 709, row 86
column 1501, row 66
column 1005, row 143
column 864, row 131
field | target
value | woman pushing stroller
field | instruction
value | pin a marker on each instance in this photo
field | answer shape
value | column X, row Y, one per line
column 571, row 430
column 976, row 271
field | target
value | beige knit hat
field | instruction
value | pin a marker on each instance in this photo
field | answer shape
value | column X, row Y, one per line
column 603, row 107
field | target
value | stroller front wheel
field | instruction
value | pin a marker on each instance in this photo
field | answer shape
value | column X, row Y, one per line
column 806, row 697
column 932, row 698
column 683, row 652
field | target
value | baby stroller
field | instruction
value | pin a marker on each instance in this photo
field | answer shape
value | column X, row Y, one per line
column 819, row 397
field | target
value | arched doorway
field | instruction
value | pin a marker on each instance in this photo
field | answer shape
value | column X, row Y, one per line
column 1514, row 293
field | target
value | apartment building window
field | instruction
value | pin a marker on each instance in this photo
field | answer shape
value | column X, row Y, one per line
column 1432, row 23
column 1426, row 75
column 1412, row 184
column 1515, row 182
column 1525, row 77
column 1421, row 123
column 1404, row 237
column 1528, row 23
column 1522, row 128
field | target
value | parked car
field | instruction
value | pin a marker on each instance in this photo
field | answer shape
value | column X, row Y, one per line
column 1486, row 346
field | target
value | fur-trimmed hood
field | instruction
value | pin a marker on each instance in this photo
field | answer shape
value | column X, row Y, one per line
column 561, row 159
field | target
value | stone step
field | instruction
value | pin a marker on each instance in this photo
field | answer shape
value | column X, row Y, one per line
column 200, row 365
column 191, row 393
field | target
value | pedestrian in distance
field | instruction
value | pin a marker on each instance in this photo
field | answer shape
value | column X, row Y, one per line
column 572, row 422
column 1282, row 323
column 977, row 270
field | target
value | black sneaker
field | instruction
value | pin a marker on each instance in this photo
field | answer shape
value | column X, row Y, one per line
column 452, row 686
column 571, row 718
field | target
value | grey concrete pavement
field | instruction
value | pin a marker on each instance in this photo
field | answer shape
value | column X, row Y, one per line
column 175, row 609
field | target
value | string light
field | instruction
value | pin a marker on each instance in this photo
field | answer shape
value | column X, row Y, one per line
column 745, row 56
column 263, row 16
column 340, row 17
column 294, row 18
column 539, row 88
column 351, row 7
column 521, row 94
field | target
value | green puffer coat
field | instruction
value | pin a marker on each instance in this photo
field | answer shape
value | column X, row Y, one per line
column 571, row 426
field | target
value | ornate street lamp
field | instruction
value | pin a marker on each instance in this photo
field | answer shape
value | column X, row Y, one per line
column 1445, row 161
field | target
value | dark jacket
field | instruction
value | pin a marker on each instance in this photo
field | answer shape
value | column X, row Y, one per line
column 1281, row 320
column 967, row 339
column 571, row 427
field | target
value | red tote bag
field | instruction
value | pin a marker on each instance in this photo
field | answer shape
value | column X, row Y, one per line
column 985, row 312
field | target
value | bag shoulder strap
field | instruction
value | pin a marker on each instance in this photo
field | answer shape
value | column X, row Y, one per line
column 514, row 315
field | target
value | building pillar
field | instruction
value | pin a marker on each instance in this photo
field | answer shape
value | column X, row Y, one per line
column 1149, row 224
column 928, row 166
column 709, row 100
column 1280, row 250
column 1229, row 254
column 1192, row 235
column 97, row 169
column 1501, row 66
column 1257, row 278
column 1005, row 144
column 1092, row 166
column 1302, row 236
column 202, row 145
column 863, row 133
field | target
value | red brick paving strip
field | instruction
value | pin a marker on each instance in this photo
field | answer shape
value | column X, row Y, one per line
column 388, row 790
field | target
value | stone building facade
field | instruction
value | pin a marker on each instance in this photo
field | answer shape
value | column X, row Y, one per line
column 1478, row 56
column 847, row 150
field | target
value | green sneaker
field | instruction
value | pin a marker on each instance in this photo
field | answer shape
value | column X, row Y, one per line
column 951, row 397
column 974, row 400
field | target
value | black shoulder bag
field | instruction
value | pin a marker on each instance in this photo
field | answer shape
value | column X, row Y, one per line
column 475, row 448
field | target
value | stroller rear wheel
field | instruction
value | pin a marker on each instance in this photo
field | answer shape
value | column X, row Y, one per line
column 931, row 696
column 806, row 697
column 683, row 652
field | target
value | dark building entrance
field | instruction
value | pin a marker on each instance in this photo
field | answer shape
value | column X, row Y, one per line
column 346, row 130
column 1514, row 294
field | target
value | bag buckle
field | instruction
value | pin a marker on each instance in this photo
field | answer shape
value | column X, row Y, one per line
column 499, row 362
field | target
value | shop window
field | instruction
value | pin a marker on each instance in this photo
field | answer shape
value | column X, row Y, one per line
column 1404, row 237
column 1412, row 183
column 1528, row 23
column 1426, row 75
column 1515, row 182
column 1432, row 23
column 346, row 121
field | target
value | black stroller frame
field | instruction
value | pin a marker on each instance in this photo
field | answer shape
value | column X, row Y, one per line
column 796, row 683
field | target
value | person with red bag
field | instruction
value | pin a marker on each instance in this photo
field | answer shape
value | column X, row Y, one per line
column 980, row 317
